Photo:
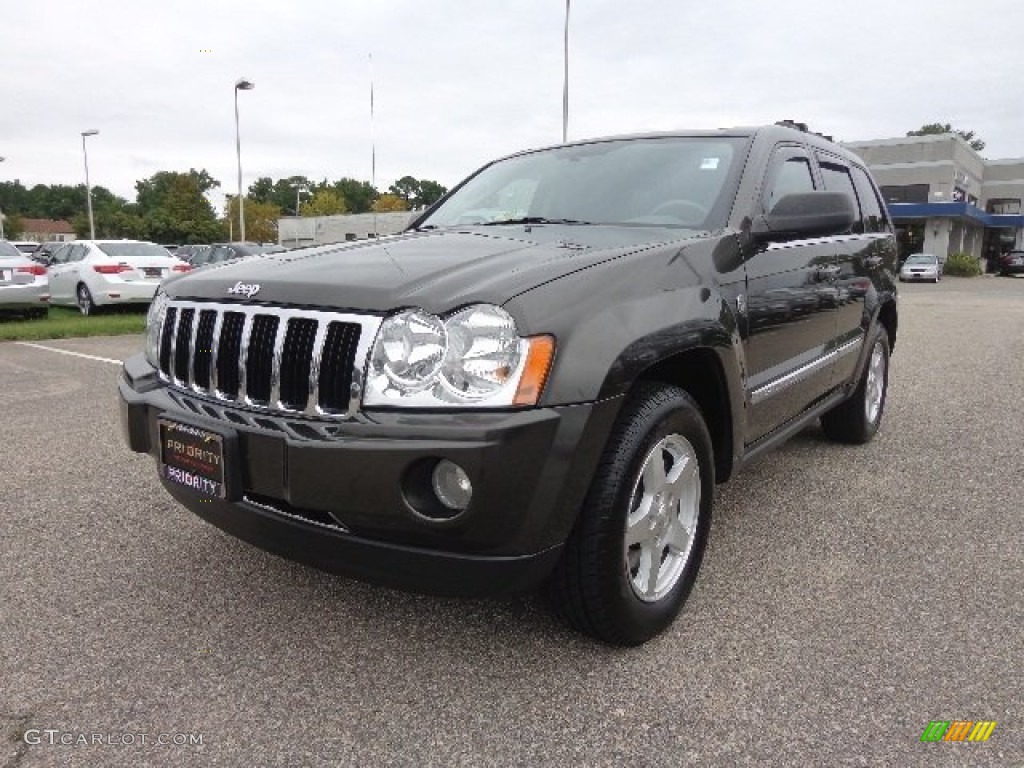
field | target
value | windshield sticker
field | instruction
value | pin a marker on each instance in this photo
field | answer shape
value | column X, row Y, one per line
column 709, row 164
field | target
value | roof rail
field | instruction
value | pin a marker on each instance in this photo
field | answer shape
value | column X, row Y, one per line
column 802, row 127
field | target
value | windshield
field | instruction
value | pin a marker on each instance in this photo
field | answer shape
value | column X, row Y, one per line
column 7, row 250
column 120, row 250
column 921, row 259
column 674, row 182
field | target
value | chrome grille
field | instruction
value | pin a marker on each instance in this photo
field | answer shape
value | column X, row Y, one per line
column 267, row 358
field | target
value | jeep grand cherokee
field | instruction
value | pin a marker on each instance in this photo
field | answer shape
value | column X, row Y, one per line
column 542, row 380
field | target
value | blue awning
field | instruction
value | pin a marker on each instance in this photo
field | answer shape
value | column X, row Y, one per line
column 962, row 211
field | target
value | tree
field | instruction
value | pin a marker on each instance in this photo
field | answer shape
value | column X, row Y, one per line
column 417, row 193
column 175, row 209
column 390, row 202
column 14, row 226
column 430, row 193
column 934, row 129
column 359, row 196
column 260, row 220
column 325, row 202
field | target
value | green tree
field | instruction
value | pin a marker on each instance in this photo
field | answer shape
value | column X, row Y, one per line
column 359, row 196
column 325, row 202
column 14, row 225
column 406, row 188
column 430, row 193
column 175, row 209
column 933, row 129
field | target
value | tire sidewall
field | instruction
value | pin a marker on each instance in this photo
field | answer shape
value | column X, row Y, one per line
column 85, row 303
column 675, row 415
column 871, row 427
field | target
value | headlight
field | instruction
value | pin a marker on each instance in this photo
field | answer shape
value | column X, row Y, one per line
column 475, row 357
column 154, row 322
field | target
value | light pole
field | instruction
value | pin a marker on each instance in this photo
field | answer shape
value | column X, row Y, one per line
column 88, row 189
column 1, row 212
column 241, row 85
column 565, row 77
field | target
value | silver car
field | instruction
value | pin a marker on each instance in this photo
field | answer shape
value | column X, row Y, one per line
column 24, row 287
column 921, row 266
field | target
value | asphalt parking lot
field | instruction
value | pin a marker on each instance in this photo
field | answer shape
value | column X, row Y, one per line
column 849, row 596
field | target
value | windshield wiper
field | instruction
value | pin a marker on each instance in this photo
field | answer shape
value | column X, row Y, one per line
column 532, row 220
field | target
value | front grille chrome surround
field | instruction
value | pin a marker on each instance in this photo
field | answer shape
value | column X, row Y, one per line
column 267, row 358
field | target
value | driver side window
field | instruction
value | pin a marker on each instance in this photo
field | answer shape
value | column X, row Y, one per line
column 790, row 174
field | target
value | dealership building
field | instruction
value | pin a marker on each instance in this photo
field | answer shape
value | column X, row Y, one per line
column 944, row 197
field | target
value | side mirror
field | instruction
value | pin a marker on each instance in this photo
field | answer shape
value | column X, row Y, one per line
column 809, row 214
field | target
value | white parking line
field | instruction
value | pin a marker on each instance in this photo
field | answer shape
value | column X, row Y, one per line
column 66, row 352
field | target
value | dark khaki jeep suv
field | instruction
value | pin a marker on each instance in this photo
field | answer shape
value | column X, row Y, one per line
column 542, row 380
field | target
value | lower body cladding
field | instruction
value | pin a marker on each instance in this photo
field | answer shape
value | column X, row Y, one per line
column 377, row 498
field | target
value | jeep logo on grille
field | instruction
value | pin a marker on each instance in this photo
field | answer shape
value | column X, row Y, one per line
column 244, row 289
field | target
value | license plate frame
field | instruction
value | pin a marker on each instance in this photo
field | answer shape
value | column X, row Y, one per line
column 196, row 458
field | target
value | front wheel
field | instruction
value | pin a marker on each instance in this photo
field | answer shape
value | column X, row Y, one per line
column 856, row 420
column 85, row 303
column 637, row 546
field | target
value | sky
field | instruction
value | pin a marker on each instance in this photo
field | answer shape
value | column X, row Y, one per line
column 458, row 83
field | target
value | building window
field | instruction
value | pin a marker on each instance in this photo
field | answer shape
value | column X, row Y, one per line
column 909, row 193
column 1006, row 205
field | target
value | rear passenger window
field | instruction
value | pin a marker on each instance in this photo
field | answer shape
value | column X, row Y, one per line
column 871, row 206
column 789, row 176
column 837, row 179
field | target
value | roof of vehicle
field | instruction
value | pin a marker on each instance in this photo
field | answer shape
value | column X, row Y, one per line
column 782, row 130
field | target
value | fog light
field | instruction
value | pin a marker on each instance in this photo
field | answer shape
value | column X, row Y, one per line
column 452, row 486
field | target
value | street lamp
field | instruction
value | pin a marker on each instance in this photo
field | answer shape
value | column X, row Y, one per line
column 1, row 212
column 88, row 189
column 241, row 85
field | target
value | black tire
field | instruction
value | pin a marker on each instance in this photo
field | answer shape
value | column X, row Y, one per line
column 853, row 421
column 85, row 303
column 593, row 588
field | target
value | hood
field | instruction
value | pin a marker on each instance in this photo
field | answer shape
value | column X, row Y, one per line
column 435, row 270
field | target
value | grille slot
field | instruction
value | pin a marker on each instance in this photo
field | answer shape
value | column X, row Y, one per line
column 272, row 359
column 336, row 366
column 203, row 355
column 229, row 350
column 259, row 360
column 182, row 344
column 296, row 362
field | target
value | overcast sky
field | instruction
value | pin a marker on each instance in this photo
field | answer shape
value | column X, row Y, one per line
column 458, row 83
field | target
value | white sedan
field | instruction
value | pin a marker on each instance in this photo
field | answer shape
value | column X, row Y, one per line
column 23, row 286
column 97, row 273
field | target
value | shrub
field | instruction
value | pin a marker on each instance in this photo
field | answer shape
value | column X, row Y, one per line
column 962, row 265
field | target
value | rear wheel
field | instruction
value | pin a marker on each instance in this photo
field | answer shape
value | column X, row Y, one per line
column 856, row 420
column 634, row 554
column 85, row 303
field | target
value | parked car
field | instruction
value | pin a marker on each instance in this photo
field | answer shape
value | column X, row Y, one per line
column 542, row 380
column 44, row 251
column 189, row 252
column 218, row 253
column 91, row 274
column 921, row 266
column 1011, row 263
column 25, row 246
column 24, row 287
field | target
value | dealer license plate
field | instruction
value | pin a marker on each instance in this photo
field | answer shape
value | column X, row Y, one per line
column 192, row 457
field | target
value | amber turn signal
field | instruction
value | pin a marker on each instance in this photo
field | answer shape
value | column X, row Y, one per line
column 535, row 374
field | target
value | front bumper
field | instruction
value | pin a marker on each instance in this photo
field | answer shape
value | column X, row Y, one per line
column 347, row 496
